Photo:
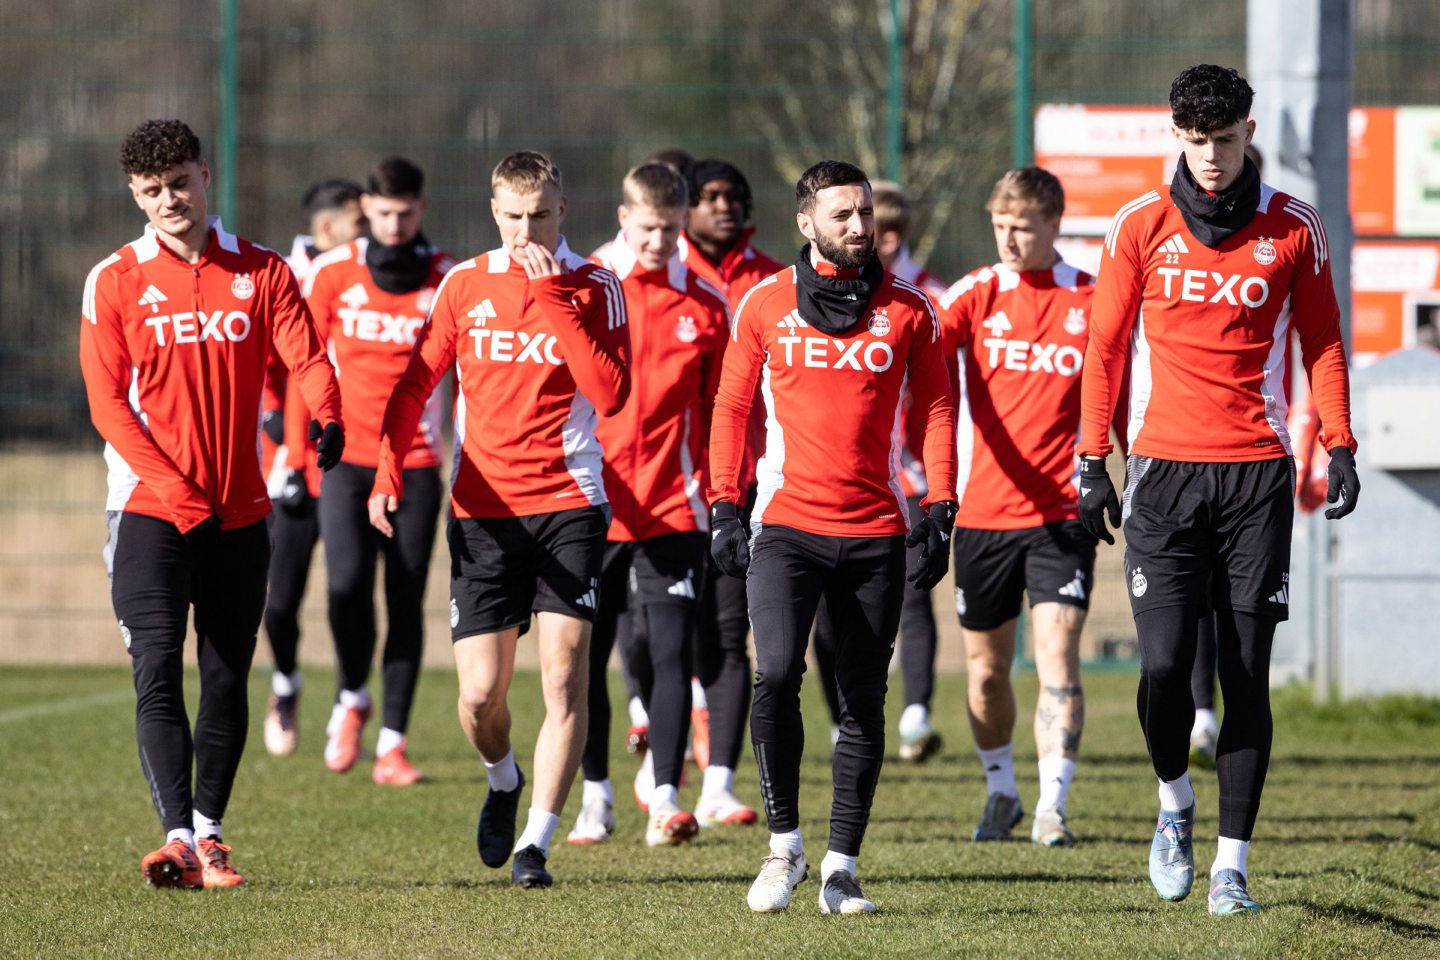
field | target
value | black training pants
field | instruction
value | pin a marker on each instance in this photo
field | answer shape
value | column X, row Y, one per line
column 155, row 578
column 1167, row 711
column 292, row 544
column 862, row 579
column 351, row 548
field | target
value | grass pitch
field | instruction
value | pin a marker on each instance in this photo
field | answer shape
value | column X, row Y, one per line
column 1346, row 857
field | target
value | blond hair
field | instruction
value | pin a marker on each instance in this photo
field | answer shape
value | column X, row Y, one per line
column 525, row 172
column 1028, row 186
column 657, row 186
column 893, row 209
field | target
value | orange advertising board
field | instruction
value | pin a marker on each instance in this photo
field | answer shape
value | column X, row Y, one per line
column 1106, row 156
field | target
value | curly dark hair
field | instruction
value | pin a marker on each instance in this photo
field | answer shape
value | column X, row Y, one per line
column 1206, row 97
column 157, row 145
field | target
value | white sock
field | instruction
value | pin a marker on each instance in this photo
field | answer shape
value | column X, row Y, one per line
column 787, row 844
column 285, row 684
column 664, row 796
column 503, row 774
column 1055, row 776
column 594, row 790
column 1231, row 855
column 1205, row 722
column 1176, row 795
column 697, row 695
column 388, row 740
column 205, row 827
column 182, row 833
column 638, row 716
column 359, row 699
column 539, row 828
column 718, row 780
column 836, row 861
column 915, row 720
column 999, row 767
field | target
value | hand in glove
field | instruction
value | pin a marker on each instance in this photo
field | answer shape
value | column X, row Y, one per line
column 729, row 541
column 1097, row 499
column 295, row 494
column 1344, row 483
column 273, row 423
column 932, row 536
column 329, row 443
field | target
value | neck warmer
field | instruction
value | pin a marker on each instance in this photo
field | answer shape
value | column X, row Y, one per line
column 830, row 304
column 1213, row 217
column 403, row 268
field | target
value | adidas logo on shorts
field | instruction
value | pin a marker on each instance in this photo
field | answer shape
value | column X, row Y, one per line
column 1281, row 596
column 683, row 588
column 1075, row 588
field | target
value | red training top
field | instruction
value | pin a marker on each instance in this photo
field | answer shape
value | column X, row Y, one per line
column 1021, row 341
column 174, row 355
column 831, row 454
column 1205, row 332
column 655, row 448
column 535, row 361
column 369, row 334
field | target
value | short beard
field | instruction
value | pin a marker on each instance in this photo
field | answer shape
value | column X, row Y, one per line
column 840, row 255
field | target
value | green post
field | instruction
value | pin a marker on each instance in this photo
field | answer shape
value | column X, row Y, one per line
column 1022, row 150
column 229, row 82
column 893, row 142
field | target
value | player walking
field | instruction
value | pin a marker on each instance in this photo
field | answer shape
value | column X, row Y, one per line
column 294, row 480
column 654, row 473
column 1199, row 285
column 918, row 739
column 369, row 299
column 1021, row 326
column 539, row 341
column 830, row 340
column 173, row 345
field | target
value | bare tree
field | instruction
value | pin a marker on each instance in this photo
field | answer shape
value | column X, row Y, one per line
column 830, row 90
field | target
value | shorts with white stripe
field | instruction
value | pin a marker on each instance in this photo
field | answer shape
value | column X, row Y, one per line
column 995, row 569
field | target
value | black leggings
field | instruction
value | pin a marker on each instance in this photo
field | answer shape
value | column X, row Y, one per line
column 1202, row 678
column 862, row 580
column 917, row 641
column 723, row 664
column 666, row 574
column 1167, row 710
column 156, row 576
column 351, row 548
column 292, row 544
column 613, row 616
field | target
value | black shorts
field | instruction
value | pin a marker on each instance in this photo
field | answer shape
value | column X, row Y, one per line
column 1209, row 534
column 502, row 569
column 665, row 569
column 1054, row 563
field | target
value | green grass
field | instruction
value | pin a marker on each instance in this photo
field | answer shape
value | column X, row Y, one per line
column 1346, row 858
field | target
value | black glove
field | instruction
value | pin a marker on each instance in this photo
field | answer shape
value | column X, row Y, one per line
column 295, row 496
column 729, row 544
column 273, row 423
column 1344, row 483
column 1097, row 498
column 329, row 443
column 204, row 534
column 932, row 536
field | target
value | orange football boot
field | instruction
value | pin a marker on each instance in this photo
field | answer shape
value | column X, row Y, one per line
column 342, row 749
column 394, row 769
column 173, row 865
column 215, row 863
